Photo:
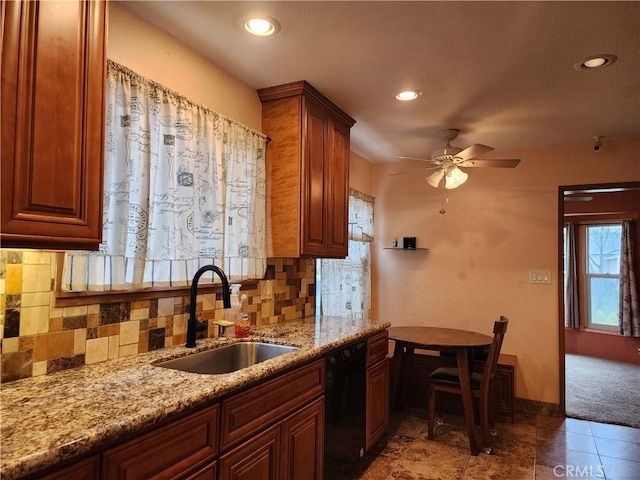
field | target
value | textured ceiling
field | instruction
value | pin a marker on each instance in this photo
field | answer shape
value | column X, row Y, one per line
column 501, row 72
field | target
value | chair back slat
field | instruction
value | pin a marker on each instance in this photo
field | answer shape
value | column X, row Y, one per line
column 499, row 330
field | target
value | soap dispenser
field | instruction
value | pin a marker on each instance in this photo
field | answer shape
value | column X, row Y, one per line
column 230, row 314
column 243, row 326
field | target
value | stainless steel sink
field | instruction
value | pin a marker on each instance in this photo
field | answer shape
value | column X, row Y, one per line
column 229, row 358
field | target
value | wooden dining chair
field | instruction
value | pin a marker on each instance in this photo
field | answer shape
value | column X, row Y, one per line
column 446, row 379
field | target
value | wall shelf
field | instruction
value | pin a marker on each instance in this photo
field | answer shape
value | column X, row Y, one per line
column 406, row 249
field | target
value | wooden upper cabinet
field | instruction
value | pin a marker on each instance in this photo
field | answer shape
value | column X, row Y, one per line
column 307, row 172
column 53, row 83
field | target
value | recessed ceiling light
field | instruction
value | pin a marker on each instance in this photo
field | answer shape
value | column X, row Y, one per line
column 597, row 61
column 262, row 26
column 407, row 95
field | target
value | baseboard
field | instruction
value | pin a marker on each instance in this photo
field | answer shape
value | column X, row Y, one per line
column 534, row 407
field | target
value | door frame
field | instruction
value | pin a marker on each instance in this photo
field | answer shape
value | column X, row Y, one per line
column 561, row 337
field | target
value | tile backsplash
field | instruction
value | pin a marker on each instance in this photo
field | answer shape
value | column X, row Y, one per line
column 39, row 338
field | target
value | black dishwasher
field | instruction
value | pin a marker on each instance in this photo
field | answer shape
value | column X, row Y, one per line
column 345, row 408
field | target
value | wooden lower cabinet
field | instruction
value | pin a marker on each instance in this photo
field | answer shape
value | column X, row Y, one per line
column 87, row 469
column 377, row 418
column 378, row 380
column 257, row 459
column 302, row 443
column 208, row 472
column 271, row 431
column 292, row 449
column 174, row 451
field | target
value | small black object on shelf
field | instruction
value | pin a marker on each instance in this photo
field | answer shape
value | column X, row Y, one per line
column 409, row 242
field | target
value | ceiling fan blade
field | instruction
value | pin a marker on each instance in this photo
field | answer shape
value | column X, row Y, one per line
column 414, row 158
column 473, row 151
column 487, row 162
column 414, row 171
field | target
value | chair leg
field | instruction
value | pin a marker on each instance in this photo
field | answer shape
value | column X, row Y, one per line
column 492, row 423
column 486, row 424
column 432, row 411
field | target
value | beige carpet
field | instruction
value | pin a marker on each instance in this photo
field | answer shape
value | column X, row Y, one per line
column 602, row 390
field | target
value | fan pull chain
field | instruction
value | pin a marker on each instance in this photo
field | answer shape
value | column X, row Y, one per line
column 442, row 210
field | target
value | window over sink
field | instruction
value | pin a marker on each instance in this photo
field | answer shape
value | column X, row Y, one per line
column 184, row 187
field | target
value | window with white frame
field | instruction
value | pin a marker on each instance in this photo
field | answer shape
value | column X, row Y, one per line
column 602, row 275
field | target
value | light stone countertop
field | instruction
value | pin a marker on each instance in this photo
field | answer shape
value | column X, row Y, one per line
column 47, row 419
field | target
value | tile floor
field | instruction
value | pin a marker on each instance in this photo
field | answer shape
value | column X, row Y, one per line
column 541, row 448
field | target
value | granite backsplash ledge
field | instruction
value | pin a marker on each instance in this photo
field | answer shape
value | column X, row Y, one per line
column 40, row 339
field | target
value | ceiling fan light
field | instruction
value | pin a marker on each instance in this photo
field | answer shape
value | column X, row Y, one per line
column 455, row 178
column 435, row 178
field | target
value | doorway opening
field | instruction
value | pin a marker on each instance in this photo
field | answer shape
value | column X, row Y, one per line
column 590, row 341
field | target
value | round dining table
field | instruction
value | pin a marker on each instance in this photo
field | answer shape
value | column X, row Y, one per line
column 453, row 340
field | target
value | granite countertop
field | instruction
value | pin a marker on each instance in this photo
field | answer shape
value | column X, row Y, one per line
column 51, row 418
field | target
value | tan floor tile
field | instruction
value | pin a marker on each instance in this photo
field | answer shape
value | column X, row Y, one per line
column 380, row 468
column 429, row 469
column 445, row 456
column 396, row 446
column 500, row 467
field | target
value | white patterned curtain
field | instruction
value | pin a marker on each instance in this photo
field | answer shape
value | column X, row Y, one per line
column 629, row 307
column 346, row 284
column 184, row 187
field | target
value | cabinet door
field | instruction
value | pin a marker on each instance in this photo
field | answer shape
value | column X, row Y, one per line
column 53, row 77
column 256, row 459
column 337, row 207
column 303, row 443
column 207, row 472
column 377, row 419
column 315, row 174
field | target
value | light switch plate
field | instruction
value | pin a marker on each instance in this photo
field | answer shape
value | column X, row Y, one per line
column 540, row 276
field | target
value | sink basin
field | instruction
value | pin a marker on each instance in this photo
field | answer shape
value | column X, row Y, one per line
column 229, row 358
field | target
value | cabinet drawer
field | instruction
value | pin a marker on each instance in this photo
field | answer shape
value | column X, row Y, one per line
column 247, row 412
column 377, row 348
column 167, row 452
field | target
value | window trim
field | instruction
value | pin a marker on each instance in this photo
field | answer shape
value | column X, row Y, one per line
column 73, row 299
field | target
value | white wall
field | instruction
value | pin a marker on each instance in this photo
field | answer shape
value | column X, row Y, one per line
column 497, row 226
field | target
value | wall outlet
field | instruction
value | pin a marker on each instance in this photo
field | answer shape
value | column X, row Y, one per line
column 540, row 276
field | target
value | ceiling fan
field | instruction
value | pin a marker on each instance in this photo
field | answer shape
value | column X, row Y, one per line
column 448, row 160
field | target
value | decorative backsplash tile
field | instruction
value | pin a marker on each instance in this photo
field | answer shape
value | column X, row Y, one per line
column 38, row 338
